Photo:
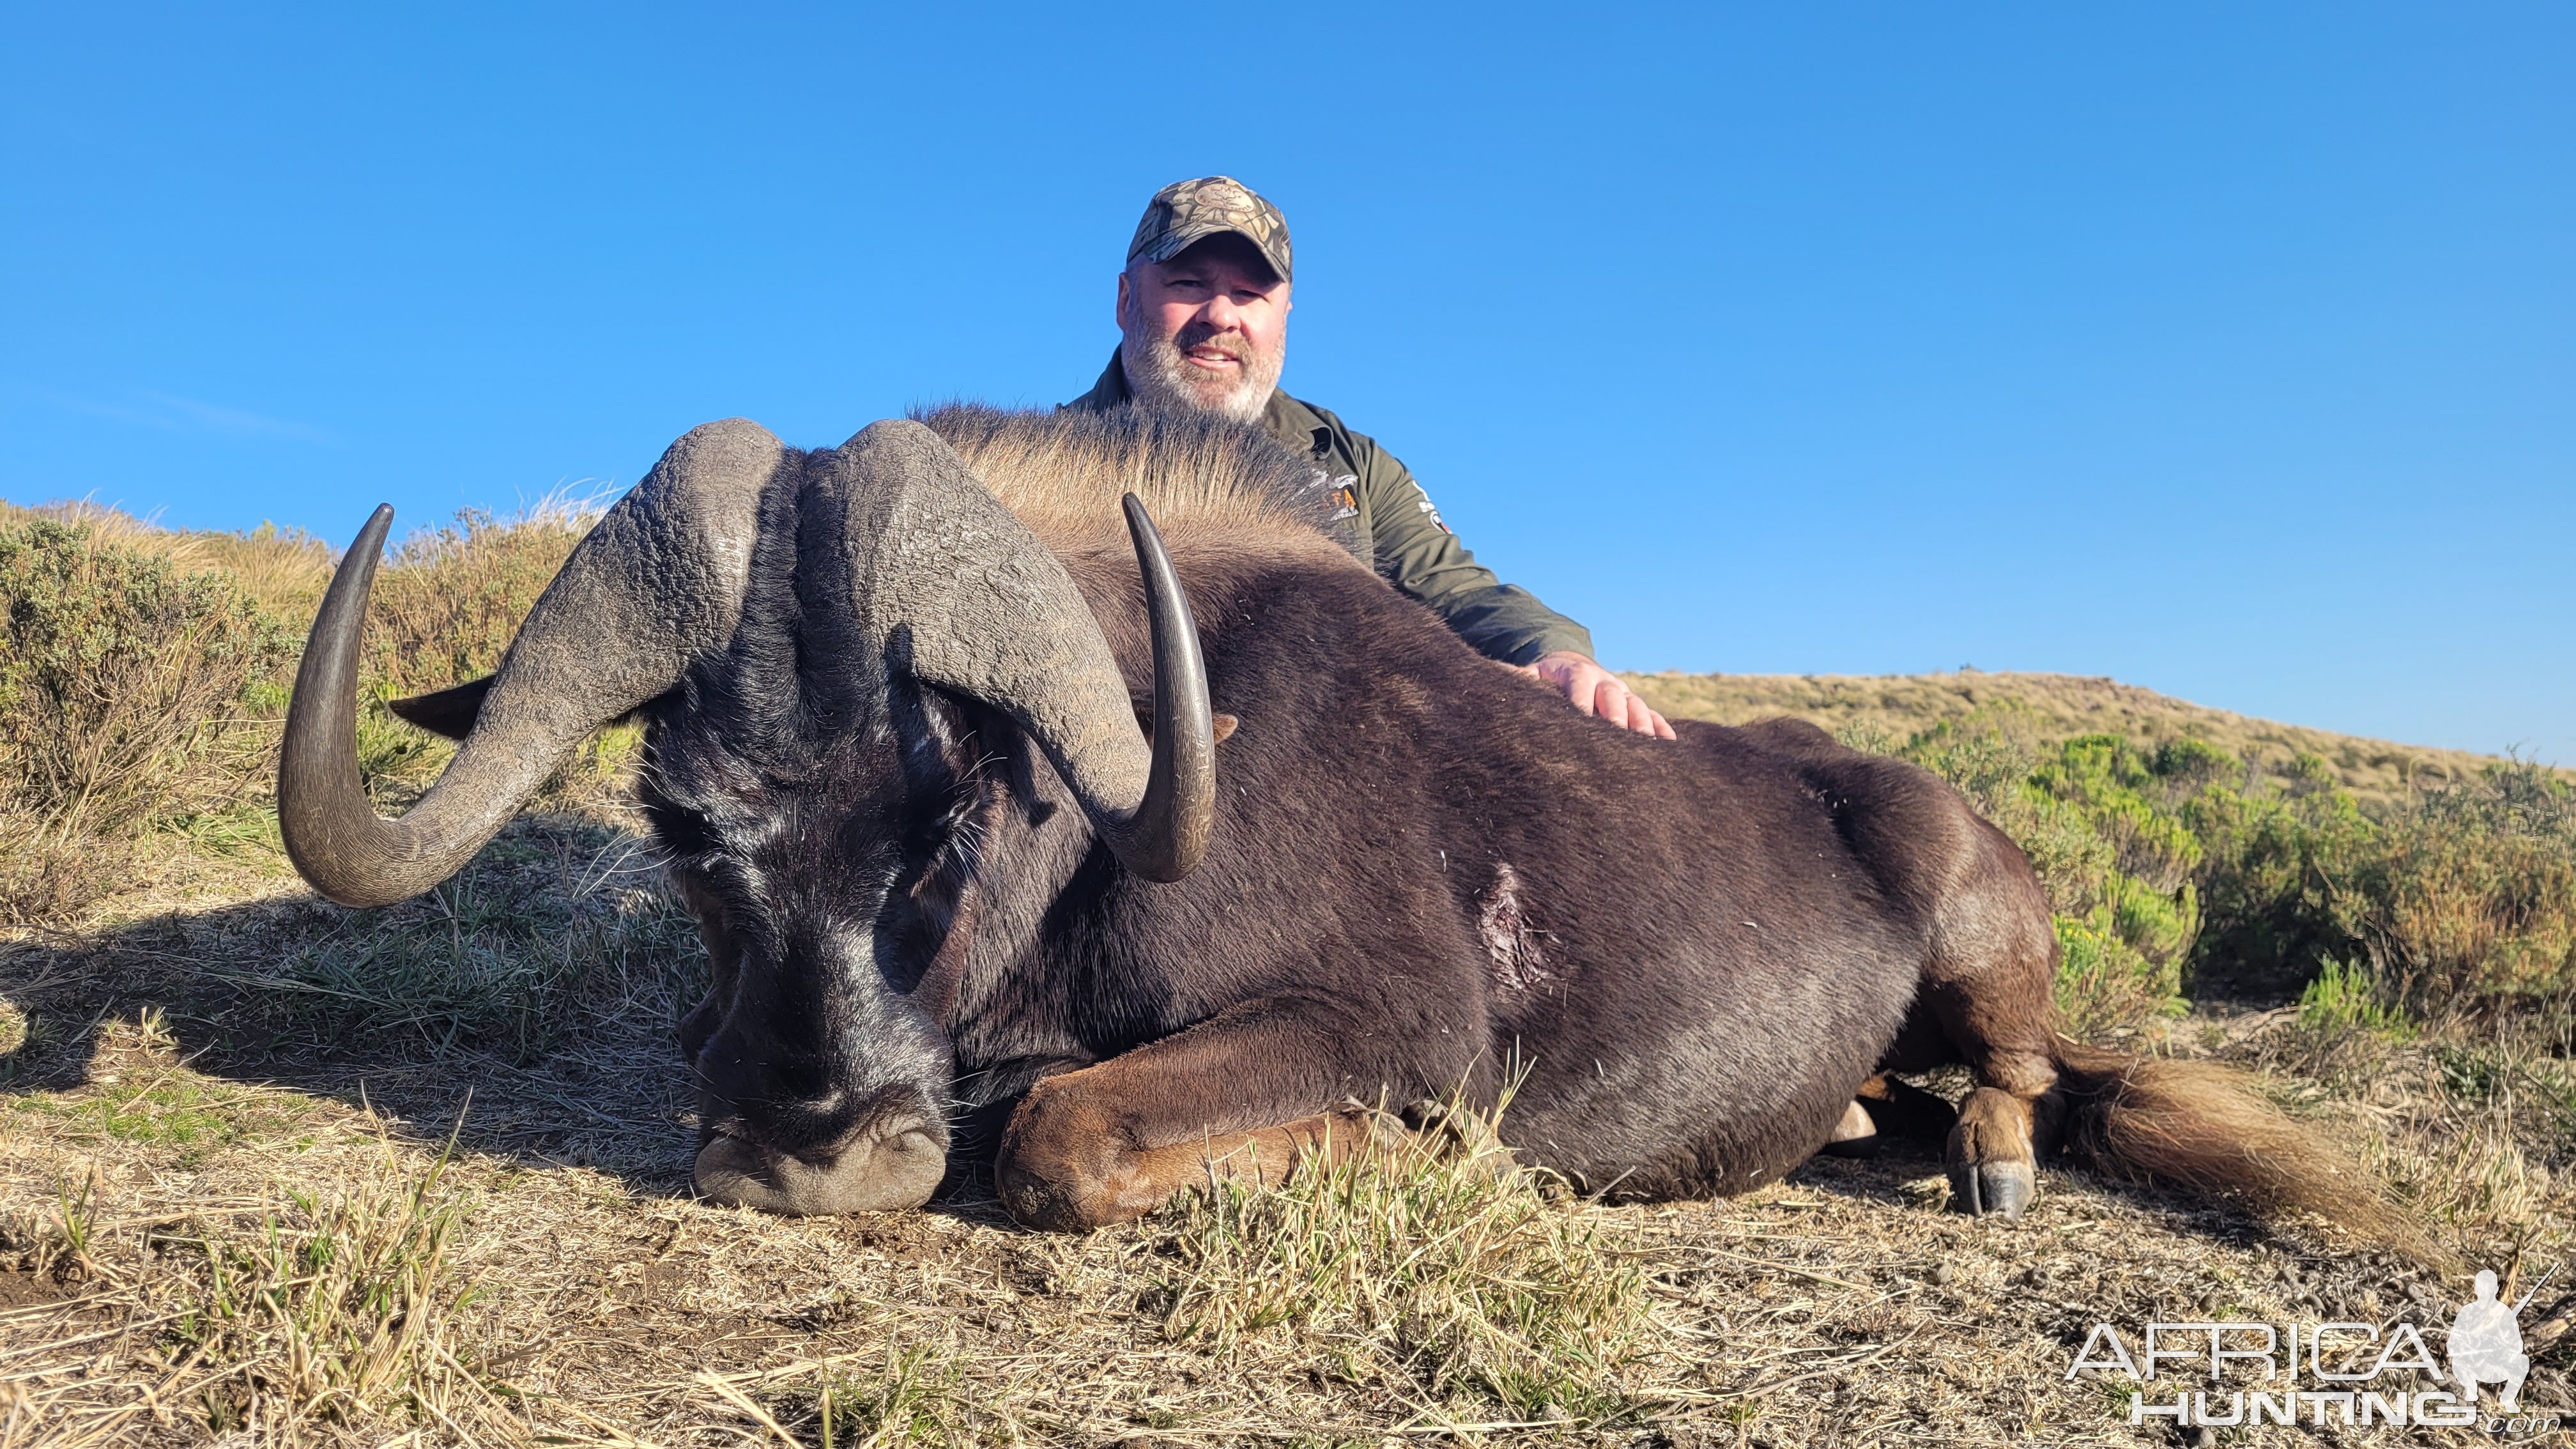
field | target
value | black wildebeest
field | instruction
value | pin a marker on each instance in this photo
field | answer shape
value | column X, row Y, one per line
column 932, row 753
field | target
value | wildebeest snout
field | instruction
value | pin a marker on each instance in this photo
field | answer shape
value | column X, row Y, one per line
column 893, row 1158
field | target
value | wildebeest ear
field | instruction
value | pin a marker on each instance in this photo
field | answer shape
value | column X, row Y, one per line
column 449, row 712
column 1223, row 724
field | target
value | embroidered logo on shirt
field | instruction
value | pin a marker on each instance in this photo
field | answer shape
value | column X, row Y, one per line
column 1424, row 503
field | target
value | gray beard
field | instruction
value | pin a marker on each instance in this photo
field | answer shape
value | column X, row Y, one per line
column 1160, row 376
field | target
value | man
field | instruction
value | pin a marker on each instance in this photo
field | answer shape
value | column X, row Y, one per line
column 1203, row 323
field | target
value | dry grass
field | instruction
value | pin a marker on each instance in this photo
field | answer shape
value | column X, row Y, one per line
column 322, row 1309
column 450, row 598
column 1441, row 1274
column 556, row 1284
column 544, row 1280
column 272, row 1172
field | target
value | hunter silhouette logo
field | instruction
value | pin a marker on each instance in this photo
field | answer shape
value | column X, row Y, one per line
column 2486, row 1343
column 2361, row 1374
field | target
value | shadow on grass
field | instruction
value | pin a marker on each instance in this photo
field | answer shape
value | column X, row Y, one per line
column 543, row 983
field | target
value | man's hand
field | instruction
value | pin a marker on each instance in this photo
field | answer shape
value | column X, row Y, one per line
column 1594, row 691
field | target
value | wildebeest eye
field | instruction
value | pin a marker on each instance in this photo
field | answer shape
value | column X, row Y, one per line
column 1223, row 725
column 683, row 833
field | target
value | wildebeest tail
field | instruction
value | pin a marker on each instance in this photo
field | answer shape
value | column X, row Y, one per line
column 2205, row 1128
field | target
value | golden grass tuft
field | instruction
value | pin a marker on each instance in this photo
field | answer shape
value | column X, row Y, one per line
column 1447, row 1274
column 318, row 1307
column 337, row 1308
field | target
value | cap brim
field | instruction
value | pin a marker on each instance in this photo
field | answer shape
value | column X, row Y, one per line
column 1180, row 239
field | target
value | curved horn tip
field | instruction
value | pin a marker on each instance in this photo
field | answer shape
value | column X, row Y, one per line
column 1139, row 521
column 1169, row 834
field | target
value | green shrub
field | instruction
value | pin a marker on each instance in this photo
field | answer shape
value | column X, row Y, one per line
column 2184, row 864
column 2191, row 766
column 2463, row 899
column 2123, row 799
column 2118, row 861
column 2103, row 982
column 2271, row 858
column 2468, row 898
column 129, row 694
column 2348, row 996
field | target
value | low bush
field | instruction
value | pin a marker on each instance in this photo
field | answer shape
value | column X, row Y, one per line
column 2348, row 996
column 2183, row 867
column 449, row 599
column 144, row 673
column 129, row 695
column 2466, row 901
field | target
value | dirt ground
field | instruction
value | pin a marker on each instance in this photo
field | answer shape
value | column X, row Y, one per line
column 275, row 1173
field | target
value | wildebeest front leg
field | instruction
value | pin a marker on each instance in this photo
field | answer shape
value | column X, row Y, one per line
column 1235, row 1097
column 1070, row 1179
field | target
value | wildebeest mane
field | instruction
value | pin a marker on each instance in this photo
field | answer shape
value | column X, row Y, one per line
column 1062, row 472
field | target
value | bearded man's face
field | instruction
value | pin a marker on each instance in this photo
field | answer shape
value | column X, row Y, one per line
column 1207, row 329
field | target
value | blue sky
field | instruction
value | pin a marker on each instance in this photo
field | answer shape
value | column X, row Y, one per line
column 2227, row 350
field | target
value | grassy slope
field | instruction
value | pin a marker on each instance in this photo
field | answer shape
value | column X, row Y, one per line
column 226, row 1190
column 2375, row 771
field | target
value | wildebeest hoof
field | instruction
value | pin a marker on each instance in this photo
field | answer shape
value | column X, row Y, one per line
column 1035, row 1201
column 1060, row 1168
column 1993, row 1189
column 1854, row 1136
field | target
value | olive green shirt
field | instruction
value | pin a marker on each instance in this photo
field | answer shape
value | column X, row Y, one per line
column 1386, row 519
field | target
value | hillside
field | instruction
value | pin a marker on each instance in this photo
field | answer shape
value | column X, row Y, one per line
column 2047, row 706
column 275, row 1172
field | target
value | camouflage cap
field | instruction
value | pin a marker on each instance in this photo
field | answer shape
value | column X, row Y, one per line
column 1204, row 206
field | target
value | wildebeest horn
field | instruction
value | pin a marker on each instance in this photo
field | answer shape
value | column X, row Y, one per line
column 942, row 570
column 658, row 581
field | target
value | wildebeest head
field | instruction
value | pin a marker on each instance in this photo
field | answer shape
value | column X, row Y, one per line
column 805, row 634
